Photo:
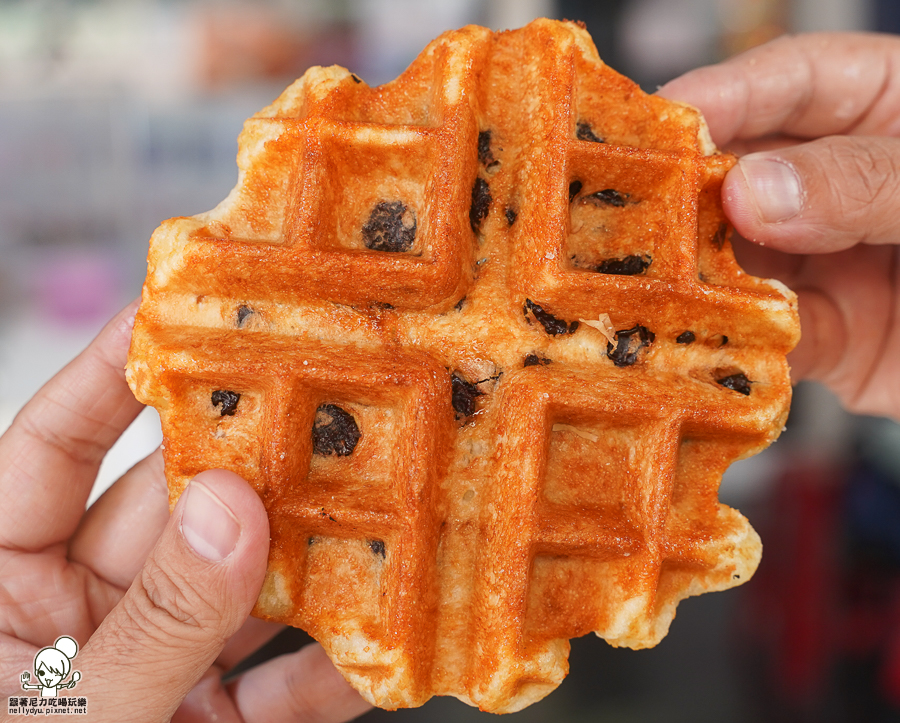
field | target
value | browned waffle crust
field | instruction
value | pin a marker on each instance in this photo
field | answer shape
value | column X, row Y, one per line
column 394, row 327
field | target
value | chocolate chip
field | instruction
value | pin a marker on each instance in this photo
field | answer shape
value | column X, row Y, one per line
column 334, row 431
column 574, row 189
column 629, row 343
column 377, row 547
column 463, row 398
column 584, row 132
column 607, row 197
column 551, row 324
column 724, row 340
column 511, row 216
column 532, row 360
column 227, row 400
column 737, row 382
column 686, row 337
column 356, row 78
column 391, row 227
column 626, row 266
column 481, row 203
column 485, row 155
column 720, row 236
column 459, row 304
column 242, row 313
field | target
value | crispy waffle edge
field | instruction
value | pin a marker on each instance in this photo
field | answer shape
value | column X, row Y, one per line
column 519, row 478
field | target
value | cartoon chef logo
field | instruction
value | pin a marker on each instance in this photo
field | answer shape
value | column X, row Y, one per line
column 51, row 666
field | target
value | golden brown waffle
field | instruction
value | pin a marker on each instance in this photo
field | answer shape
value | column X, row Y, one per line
column 478, row 339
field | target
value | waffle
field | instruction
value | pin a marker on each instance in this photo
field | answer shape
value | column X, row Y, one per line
column 478, row 339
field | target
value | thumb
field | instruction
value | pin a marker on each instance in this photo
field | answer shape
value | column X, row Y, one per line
column 195, row 590
column 817, row 197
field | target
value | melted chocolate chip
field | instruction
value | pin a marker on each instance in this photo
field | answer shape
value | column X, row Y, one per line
column 356, row 78
column 377, row 547
column 334, row 431
column 737, row 382
column 532, row 360
column 228, row 400
column 627, row 266
column 511, row 216
column 574, row 189
column 724, row 340
column 584, row 132
column 629, row 343
column 607, row 197
column 686, row 337
column 551, row 324
column 720, row 236
column 242, row 313
column 391, row 227
column 463, row 397
column 485, row 154
column 481, row 203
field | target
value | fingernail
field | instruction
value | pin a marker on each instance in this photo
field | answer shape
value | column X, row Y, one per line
column 775, row 185
column 209, row 527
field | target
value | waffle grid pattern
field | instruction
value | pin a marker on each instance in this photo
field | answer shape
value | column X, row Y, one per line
column 451, row 555
column 317, row 254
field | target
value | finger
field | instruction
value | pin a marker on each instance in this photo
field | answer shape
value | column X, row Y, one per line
column 120, row 529
column 50, row 455
column 807, row 85
column 766, row 143
column 823, row 196
column 15, row 656
column 848, row 310
column 301, row 686
column 849, row 303
column 251, row 637
column 194, row 592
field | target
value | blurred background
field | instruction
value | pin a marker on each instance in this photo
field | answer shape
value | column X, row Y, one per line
column 117, row 115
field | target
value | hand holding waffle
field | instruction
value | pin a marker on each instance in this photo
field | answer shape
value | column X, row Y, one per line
column 158, row 603
column 819, row 192
column 477, row 339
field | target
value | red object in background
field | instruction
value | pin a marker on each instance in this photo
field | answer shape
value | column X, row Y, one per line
column 890, row 671
column 242, row 43
column 794, row 612
column 822, row 616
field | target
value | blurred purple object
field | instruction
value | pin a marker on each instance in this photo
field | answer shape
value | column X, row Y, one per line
column 78, row 288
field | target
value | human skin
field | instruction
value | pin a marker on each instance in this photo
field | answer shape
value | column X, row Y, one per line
column 158, row 602
column 163, row 601
column 815, row 196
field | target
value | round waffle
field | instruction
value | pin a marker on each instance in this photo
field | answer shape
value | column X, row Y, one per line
column 478, row 339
